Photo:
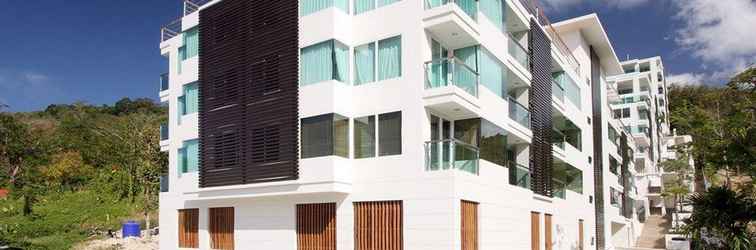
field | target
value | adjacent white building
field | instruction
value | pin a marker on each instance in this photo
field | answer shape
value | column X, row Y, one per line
column 396, row 124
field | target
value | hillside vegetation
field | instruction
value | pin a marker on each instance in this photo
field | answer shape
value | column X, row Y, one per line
column 75, row 171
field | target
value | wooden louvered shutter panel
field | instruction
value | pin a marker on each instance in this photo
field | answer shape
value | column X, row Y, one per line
column 378, row 225
column 188, row 222
column 316, row 226
column 222, row 228
column 547, row 236
column 581, row 235
column 469, row 225
column 535, row 230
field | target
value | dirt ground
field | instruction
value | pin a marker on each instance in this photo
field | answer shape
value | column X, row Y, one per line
column 118, row 243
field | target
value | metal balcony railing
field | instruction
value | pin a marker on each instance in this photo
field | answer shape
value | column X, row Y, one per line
column 451, row 71
column 536, row 10
column 164, row 82
column 451, row 154
column 174, row 28
column 519, row 113
column 190, row 6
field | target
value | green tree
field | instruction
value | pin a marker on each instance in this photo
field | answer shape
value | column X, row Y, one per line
column 679, row 188
column 721, row 218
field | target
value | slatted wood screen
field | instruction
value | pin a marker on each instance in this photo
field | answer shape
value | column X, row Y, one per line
column 378, row 225
column 581, row 236
column 469, row 225
column 535, row 231
column 222, row 228
column 188, row 223
column 541, row 122
column 316, row 226
column 547, row 235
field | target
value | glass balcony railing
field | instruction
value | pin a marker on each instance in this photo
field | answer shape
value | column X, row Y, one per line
column 163, row 131
column 560, row 188
column 468, row 6
column 451, row 154
column 558, row 138
column 519, row 52
column 519, row 113
column 164, row 82
column 519, row 175
column 451, row 71
column 557, row 90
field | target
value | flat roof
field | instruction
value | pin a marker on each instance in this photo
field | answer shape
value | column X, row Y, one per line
column 593, row 32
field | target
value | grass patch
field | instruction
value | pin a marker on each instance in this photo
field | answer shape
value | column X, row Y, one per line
column 61, row 220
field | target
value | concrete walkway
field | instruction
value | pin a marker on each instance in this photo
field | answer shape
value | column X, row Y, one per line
column 653, row 233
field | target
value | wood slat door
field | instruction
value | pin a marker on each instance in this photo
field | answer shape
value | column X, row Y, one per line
column 547, row 235
column 316, row 226
column 222, row 228
column 535, row 231
column 188, row 228
column 378, row 225
column 469, row 225
column 581, row 235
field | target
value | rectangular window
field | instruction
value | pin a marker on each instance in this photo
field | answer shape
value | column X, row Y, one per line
column 221, row 223
column 325, row 135
column 390, row 57
column 362, row 6
column 378, row 225
column 364, row 64
column 615, row 198
column 469, row 225
column 324, row 61
column 189, row 156
column 390, row 134
column 307, row 7
column 189, row 102
column 364, row 137
column 188, row 228
column 191, row 43
column 316, row 226
column 643, row 114
column 613, row 166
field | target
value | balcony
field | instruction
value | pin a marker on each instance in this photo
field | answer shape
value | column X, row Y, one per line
column 191, row 6
column 557, row 90
column 519, row 175
column 452, row 88
column 519, row 52
column 452, row 21
column 164, row 183
column 560, row 188
column 451, row 154
column 519, row 113
column 174, row 28
column 654, row 190
column 164, row 82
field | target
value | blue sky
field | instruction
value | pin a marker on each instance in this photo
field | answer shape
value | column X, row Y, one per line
column 57, row 51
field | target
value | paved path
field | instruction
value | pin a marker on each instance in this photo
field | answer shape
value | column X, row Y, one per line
column 653, row 232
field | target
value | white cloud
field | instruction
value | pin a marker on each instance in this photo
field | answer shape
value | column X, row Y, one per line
column 686, row 79
column 720, row 33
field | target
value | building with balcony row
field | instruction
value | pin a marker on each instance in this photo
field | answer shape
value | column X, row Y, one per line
column 393, row 124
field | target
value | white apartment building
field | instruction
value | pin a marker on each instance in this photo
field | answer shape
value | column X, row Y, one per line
column 392, row 124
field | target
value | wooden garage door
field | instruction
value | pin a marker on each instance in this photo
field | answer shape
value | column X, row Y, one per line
column 469, row 225
column 581, row 235
column 378, row 225
column 547, row 235
column 188, row 228
column 222, row 228
column 535, row 231
column 316, row 226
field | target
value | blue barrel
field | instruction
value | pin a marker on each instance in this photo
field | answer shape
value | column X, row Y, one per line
column 131, row 229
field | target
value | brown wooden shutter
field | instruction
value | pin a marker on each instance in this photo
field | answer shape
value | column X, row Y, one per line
column 535, row 230
column 469, row 225
column 222, row 228
column 581, row 235
column 316, row 226
column 378, row 225
column 547, row 236
column 188, row 228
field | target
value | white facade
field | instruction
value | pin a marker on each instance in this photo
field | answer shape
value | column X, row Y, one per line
column 265, row 213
